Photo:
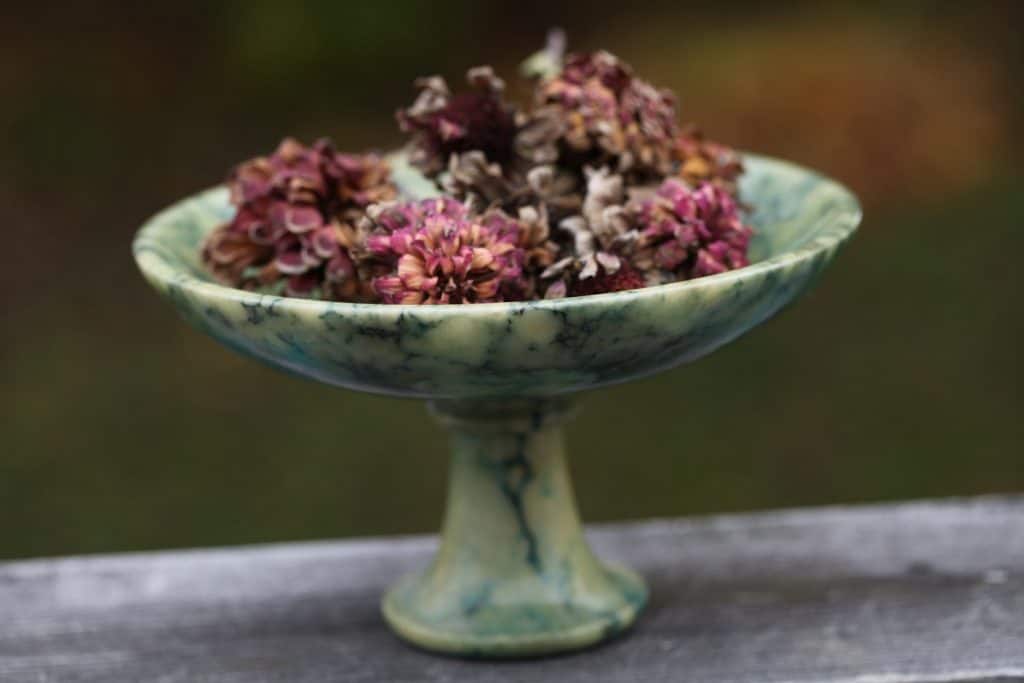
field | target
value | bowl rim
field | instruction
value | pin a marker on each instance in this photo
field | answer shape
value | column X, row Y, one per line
column 156, row 266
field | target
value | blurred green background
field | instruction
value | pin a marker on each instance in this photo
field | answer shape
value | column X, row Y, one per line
column 898, row 377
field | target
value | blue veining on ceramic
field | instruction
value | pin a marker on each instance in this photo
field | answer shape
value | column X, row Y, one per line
column 540, row 348
column 514, row 574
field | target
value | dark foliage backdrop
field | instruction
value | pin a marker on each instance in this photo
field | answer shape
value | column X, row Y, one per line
column 124, row 429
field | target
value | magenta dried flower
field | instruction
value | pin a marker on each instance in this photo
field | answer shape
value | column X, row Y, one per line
column 443, row 124
column 295, row 221
column 605, row 115
column 388, row 217
column 625, row 278
column 530, row 232
column 691, row 232
column 586, row 158
column 442, row 255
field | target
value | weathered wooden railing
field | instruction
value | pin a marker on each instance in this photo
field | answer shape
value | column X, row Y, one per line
column 926, row 591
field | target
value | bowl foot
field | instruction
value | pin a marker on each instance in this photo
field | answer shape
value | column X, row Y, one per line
column 514, row 575
column 480, row 621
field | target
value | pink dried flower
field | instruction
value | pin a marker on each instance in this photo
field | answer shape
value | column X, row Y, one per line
column 530, row 233
column 384, row 219
column 690, row 232
column 441, row 255
column 295, row 220
column 608, row 116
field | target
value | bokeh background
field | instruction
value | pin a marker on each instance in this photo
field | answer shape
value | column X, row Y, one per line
column 121, row 428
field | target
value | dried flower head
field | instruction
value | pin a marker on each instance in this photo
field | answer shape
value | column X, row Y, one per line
column 481, row 184
column 442, row 255
column 705, row 161
column 443, row 124
column 588, row 157
column 602, row 235
column 690, row 232
column 602, row 114
column 295, row 220
column 530, row 232
column 625, row 278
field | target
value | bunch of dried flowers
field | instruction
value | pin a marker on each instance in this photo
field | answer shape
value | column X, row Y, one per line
column 592, row 188
column 296, row 224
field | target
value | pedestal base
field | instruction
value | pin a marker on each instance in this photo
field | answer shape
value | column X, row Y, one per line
column 514, row 575
column 476, row 626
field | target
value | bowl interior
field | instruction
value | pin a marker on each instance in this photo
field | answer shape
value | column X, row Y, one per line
column 508, row 349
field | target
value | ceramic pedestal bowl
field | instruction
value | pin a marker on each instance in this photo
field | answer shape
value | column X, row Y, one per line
column 514, row 574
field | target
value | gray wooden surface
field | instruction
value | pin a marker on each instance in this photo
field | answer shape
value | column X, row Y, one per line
column 930, row 591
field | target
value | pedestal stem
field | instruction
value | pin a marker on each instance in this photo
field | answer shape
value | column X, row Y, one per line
column 514, row 574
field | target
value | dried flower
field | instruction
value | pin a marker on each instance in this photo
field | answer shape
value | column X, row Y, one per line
column 530, row 232
column 702, row 160
column 478, row 148
column 363, row 179
column 443, row 124
column 602, row 114
column 690, row 232
column 295, row 220
column 602, row 235
column 479, row 183
column 235, row 259
column 588, row 158
column 626, row 277
column 441, row 255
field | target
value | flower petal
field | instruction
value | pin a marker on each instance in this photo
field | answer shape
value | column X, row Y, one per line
column 610, row 262
column 301, row 285
column 481, row 258
column 302, row 219
column 556, row 290
column 325, row 243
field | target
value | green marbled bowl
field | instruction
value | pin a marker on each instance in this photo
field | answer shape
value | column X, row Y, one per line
column 514, row 575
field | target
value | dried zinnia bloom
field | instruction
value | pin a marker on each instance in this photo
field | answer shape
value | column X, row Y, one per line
column 602, row 237
column 690, row 232
column 625, row 278
column 236, row 260
column 480, row 183
column 477, row 181
column 363, row 179
column 705, row 161
column 483, row 151
column 602, row 114
column 443, row 124
column 442, row 255
column 295, row 221
column 530, row 232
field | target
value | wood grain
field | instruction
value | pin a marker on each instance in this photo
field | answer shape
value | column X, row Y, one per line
column 925, row 591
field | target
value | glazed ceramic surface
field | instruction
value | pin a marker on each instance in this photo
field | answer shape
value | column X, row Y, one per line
column 538, row 348
column 514, row 575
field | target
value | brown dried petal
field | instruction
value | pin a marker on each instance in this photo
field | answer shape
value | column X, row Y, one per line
column 472, row 178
